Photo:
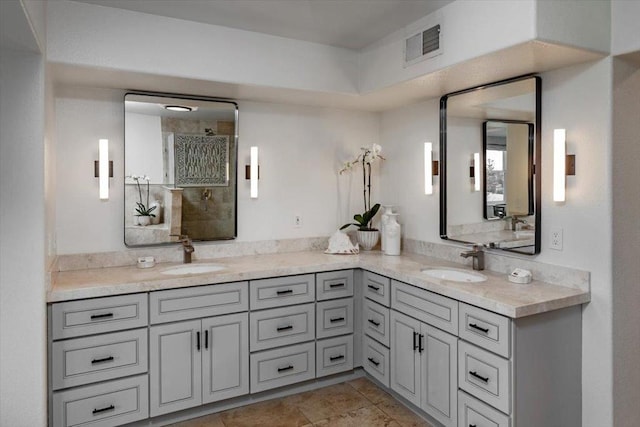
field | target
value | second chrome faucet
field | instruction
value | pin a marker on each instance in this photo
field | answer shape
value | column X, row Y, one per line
column 477, row 255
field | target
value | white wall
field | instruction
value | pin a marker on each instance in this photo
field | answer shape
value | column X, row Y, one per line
column 625, row 37
column 626, row 241
column 301, row 151
column 22, row 248
column 578, row 99
column 144, row 150
column 95, row 36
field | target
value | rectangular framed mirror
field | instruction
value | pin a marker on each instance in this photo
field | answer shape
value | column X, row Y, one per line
column 180, row 168
column 490, row 165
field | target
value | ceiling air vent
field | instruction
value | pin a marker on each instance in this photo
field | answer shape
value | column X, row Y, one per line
column 423, row 45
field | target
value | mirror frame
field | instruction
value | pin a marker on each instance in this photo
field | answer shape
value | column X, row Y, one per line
column 537, row 161
column 530, row 163
column 235, row 137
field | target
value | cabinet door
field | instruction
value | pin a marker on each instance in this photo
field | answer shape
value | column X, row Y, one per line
column 175, row 367
column 225, row 357
column 405, row 359
column 439, row 371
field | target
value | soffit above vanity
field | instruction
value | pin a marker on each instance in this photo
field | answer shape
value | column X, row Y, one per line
column 113, row 48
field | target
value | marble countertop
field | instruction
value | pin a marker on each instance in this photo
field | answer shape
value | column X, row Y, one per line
column 496, row 294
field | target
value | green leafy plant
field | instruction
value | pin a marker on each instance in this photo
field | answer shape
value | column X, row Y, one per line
column 363, row 222
column 368, row 156
column 141, row 208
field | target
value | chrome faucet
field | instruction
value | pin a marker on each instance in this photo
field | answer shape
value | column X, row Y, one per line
column 187, row 247
column 515, row 221
column 478, row 257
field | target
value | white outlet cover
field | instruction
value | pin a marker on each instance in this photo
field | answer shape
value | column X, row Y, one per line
column 555, row 235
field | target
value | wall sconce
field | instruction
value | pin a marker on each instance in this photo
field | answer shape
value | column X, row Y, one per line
column 252, row 172
column 474, row 171
column 563, row 164
column 103, row 168
column 430, row 168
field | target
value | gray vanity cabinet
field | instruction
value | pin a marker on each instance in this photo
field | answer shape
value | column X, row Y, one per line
column 424, row 367
column 197, row 362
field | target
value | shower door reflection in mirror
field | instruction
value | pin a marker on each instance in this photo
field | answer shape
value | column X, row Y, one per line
column 180, row 168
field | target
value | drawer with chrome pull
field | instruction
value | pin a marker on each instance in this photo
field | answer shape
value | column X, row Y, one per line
column 282, row 366
column 101, row 357
column 281, row 291
column 96, row 316
column 334, row 284
column 102, row 405
column 281, row 326
column 334, row 318
column 484, row 375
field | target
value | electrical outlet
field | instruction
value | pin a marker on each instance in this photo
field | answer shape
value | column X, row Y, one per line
column 297, row 221
column 556, row 239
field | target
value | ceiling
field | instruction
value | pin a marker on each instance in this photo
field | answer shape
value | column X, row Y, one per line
column 351, row 24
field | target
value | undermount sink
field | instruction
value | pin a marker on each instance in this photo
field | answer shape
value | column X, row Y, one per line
column 192, row 269
column 454, row 275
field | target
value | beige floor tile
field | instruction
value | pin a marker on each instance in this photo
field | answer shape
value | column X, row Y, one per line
column 369, row 389
column 272, row 413
column 327, row 402
column 403, row 415
column 369, row 416
column 207, row 421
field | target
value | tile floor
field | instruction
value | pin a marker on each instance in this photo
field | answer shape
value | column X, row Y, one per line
column 357, row 403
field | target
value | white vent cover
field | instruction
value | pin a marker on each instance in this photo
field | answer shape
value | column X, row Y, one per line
column 422, row 45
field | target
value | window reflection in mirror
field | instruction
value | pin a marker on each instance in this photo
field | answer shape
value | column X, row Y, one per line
column 500, row 123
column 180, row 168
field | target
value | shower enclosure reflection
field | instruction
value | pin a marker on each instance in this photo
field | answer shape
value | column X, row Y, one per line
column 180, row 168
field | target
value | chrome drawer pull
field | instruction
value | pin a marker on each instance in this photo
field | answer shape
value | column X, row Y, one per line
column 284, row 292
column 373, row 322
column 373, row 361
column 334, row 358
column 481, row 378
column 287, row 368
column 108, row 408
column 104, row 359
column 336, row 285
column 336, row 319
column 284, row 328
column 375, row 288
column 101, row 316
column 474, row 326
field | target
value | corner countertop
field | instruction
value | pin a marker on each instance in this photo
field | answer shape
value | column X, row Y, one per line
column 496, row 294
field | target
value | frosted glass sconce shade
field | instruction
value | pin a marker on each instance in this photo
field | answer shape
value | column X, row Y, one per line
column 253, row 170
column 103, row 168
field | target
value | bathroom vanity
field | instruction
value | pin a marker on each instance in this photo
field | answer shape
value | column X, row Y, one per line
column 138, row 346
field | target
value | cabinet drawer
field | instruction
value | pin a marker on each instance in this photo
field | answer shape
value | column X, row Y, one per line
column 485, row 329
column 334, row 318
column 376, row 287
column 95, row 316
column 103, row 405
column 267, row 293
column 334, row 284
column 376, row 321
column 198, row 302
column 472, row 412
column 375, row 360
column 434, row 309
column 485, row 376
column 281, row 326
column 102, row 357
column 334, row 355
column 282, row 366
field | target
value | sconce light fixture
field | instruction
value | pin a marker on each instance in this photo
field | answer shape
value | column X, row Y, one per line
column 103, row 168
column 475, row 171
column 563, row 164
column 430, row 168
column 252, row 172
